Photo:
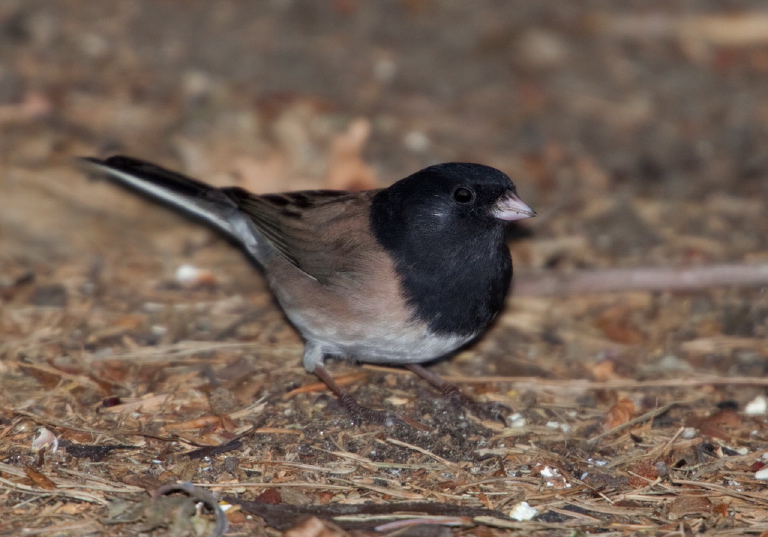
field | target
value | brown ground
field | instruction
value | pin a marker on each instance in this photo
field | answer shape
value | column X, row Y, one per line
column 638, row 131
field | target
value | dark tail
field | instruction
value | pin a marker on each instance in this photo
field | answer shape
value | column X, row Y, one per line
column 178, row 191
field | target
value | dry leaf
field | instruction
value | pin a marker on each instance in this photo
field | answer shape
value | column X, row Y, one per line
column 346, row 168
column 605, row 370
column 642, row 473
column 39, row 479
column 269, row 496
column 615, row 323
column 197, row 423
column 695, row 506
column 620, row 413
column 718, row 424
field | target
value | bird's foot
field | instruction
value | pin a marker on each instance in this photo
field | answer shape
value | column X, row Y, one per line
column 358, row 412
column 492, row 411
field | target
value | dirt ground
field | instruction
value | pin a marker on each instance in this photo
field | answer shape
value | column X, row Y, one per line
column 633, row 354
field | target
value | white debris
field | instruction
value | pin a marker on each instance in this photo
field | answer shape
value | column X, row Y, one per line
column 517, row 420
column 553, row 478
column 757, row 406
column 522, row 511
column 191, row 276
column 550, row 472
column 564, row 427
column 762, row 474
column 689, row 433
column 45, row 439
column 159, row 330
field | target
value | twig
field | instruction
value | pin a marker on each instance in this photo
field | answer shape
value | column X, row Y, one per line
column 617, row 384
column 750, row 497
column 369, row 515
column 642, row 279
column 626, row 425
column 74, row 494
column 579, row 384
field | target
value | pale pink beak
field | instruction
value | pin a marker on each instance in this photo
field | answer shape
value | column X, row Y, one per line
column 510, row 207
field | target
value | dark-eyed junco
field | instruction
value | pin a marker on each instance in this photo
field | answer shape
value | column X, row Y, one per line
column 401, row 275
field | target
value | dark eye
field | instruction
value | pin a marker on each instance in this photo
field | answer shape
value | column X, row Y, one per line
column 463, row 195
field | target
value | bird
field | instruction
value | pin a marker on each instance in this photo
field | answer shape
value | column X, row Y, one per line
column 400, row 276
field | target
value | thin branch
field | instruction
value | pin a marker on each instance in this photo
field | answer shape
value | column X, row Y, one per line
column 631, row 423
column 641, row 279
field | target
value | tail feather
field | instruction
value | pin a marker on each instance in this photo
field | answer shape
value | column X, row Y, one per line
column 179, row 191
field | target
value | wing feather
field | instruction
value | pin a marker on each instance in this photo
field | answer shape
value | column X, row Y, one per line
column 320, row 232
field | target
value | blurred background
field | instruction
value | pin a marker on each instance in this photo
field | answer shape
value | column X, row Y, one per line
column 589, row 106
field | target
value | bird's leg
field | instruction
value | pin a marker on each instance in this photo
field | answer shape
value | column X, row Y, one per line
column 495, row 411
column 358, row 412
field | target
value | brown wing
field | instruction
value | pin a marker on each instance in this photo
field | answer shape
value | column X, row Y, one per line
column 322, row 232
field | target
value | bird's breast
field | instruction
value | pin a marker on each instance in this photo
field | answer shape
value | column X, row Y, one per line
column 362, row 315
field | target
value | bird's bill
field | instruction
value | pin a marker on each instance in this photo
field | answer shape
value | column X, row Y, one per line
column 510, row 207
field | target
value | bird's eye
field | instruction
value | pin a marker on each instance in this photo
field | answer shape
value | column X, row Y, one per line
column 463, row 195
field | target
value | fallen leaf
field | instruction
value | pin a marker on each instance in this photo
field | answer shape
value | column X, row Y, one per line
column 642, row 473
column 687, row 505
column 346, row 168
column 717, row 425
column 39, row 479
column 620, row 413
column 269, row 496
column 615, row 323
